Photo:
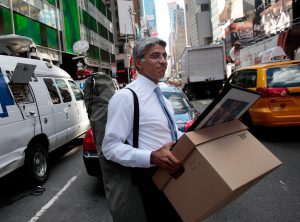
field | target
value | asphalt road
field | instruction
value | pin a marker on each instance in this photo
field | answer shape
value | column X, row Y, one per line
column 68, row 195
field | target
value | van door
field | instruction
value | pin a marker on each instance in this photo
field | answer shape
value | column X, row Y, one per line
column 60, row 112
column 68, row 107
column 83, row 120
column 52, row 113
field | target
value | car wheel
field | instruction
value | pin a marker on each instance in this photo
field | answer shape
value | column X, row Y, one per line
column 36, row 164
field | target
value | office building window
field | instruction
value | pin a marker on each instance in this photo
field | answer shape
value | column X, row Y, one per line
column 71, row 26
column 101, row 7
column 121, row 49
column 40, row 33
column 93, row 52
column 109, row 15
column 112, row 58
column 102, row 31
column 52, row 2
column 111, row 37
column 4, row 2
column 104, row 55
column 204, row 7
column 5, row 21
column 39, row 10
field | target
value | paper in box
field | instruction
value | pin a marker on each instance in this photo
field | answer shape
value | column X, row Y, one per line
column 220, row 162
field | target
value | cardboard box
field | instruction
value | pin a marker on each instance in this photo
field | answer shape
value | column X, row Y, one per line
column 220, row 163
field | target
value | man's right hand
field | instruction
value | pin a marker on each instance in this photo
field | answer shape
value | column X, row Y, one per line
column 163, row 158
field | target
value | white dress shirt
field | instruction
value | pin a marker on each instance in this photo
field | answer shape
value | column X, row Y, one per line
column 153, row 132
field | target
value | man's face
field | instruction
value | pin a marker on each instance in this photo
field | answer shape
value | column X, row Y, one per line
column 154, row 63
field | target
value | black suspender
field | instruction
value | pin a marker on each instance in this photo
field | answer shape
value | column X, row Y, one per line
column 136, row 120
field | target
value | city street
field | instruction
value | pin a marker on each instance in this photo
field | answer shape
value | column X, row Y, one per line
column 61, row 62
column 71, row 195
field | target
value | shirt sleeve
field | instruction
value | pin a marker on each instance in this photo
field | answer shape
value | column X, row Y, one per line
column 118, row 129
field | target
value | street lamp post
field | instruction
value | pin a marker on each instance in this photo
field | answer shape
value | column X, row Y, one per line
column 126, row 54
column 131, row 12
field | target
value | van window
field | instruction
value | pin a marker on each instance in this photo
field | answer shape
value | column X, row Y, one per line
column 21, row 93
column 64, row 90
column 52, row 91
column 76, row 90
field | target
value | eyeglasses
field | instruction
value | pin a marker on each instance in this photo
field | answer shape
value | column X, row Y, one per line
column 158, row 56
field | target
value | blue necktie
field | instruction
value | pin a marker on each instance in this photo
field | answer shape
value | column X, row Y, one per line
column 168, row 115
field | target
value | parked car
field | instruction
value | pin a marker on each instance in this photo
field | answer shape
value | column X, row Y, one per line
column 90, row 155
column 279, row 83
column 184, row 110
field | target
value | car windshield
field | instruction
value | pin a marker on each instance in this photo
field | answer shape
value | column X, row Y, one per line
column 286, row 76
column 178, row 102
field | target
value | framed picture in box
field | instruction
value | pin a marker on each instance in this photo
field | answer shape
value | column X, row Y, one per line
column 231, row 103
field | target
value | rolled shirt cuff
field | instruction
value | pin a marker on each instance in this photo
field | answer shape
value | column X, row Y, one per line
column 143, row 158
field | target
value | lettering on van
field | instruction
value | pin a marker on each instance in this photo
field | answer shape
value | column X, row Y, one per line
column 6, row 98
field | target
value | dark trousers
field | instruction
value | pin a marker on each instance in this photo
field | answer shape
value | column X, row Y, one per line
column 157, row 206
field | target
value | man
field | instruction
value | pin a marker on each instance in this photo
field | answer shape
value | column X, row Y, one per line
column 155, row 130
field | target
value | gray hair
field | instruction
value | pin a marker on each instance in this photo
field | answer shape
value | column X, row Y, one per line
column 143, row 44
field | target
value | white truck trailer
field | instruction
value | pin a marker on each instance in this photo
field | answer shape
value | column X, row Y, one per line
column 203, row 70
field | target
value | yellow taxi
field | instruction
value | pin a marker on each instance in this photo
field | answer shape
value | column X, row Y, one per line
column 279, row 84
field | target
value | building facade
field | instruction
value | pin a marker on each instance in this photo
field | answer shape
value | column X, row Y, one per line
column 172, row 9
column 127, row 26
column 275, row 23
column 215, row 22
column 180, row 41
column 148, row 14
column 198, row 22
column 55, row 25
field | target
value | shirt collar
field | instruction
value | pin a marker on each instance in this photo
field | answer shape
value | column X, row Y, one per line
column 145, row 82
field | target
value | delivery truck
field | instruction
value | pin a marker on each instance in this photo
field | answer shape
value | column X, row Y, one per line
column 203, row 70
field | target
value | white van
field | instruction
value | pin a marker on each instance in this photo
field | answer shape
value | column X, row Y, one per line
column 116, row 85
column 41, row 109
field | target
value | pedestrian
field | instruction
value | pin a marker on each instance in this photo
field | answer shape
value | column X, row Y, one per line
column 157, row 133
